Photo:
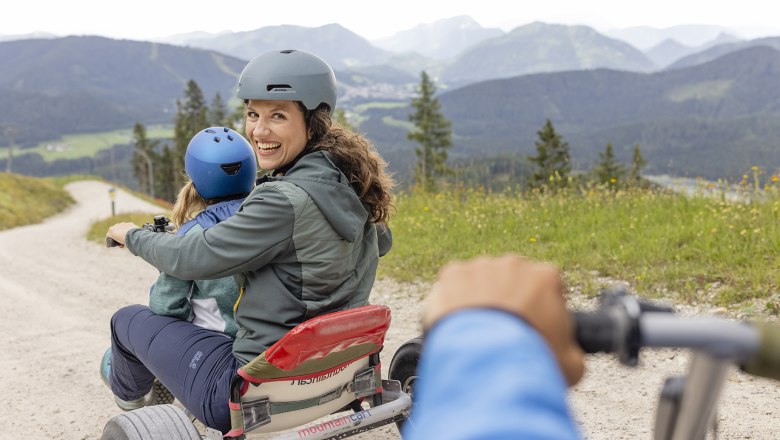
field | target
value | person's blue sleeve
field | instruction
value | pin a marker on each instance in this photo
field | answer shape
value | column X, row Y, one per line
column 487, row 374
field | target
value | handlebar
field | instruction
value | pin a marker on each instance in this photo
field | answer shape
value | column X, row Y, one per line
column 160, row 223
column 623, row 324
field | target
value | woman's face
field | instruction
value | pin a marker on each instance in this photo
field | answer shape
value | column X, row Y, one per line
column 277, row 130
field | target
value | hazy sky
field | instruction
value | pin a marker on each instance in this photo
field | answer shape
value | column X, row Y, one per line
column 147, row 19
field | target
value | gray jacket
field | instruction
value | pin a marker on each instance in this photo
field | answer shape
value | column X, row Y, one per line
column 300, row 246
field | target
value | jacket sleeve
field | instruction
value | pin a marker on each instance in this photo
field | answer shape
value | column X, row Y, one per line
column 384, row 238
column 256, row 235
column 488, row 374
column 170, row 297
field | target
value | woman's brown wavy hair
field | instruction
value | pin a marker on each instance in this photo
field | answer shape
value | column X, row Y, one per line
column 357, row 158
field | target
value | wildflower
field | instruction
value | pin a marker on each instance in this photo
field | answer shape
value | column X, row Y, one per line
column 532, row 239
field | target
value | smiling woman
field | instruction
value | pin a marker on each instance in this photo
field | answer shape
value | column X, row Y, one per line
column 278, row 131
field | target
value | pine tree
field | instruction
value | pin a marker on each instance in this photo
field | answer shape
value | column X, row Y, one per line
column 637, row 163
column 10, row 132
column 165, row 175
column 191, row 117
column 609, row 170
column 217, row 111
column 144, row 158
column 552, row 160
column 432, row 132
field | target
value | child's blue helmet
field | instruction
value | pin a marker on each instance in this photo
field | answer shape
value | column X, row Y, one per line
column 220, row 163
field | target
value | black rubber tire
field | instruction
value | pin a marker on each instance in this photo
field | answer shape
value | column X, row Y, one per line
column 158, row 422
column 159, row 395
column 403, row 368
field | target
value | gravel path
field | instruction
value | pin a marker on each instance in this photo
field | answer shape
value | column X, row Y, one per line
column 59, row 293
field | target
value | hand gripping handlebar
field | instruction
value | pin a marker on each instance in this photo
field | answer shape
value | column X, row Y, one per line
column 623, row 324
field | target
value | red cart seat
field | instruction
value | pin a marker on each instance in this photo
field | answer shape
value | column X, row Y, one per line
column 317, row 368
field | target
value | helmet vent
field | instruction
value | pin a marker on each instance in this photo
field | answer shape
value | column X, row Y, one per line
column 288, row 51
column 217, row 139
column 208, row 130
column 279, row 88
column 230, row 138
column 231, row 168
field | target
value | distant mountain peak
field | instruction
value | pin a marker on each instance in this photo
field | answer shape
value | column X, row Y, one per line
column 441, row 39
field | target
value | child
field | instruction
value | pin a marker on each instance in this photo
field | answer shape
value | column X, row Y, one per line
column 222, row 169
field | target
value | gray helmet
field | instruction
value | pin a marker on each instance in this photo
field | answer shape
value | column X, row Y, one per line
column 289, row 75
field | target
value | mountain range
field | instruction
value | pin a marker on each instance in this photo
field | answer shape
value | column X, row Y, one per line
column 716, row 100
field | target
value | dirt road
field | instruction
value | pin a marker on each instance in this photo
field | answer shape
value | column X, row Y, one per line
column 59, row 292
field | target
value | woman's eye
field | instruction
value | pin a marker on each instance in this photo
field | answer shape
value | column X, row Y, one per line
column 278, row 116
column 251, row 115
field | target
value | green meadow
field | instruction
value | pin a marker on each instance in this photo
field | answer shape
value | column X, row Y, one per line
column 25, row 200
column 697, row 249
column 86, row 144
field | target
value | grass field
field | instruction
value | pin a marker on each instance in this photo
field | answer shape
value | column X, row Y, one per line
column 26, row 200
column 697, row 248
column 86, row 144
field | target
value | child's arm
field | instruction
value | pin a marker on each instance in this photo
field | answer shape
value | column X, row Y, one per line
column 170, row 296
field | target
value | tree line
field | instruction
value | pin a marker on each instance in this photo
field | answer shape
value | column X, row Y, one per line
column 550, row 168
column 158, row 165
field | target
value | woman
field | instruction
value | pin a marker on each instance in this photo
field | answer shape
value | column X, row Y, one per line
column 305, row 242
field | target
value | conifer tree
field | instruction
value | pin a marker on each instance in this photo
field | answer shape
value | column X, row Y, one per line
column 637, row 163
column 165, row 175
column 144, row 159
column 217, row 112
column 552, row 160
column 237, row 118
column 432, row 131
column 609, row 170
column 191, row 117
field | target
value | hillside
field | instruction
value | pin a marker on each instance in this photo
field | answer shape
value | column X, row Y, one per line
column 670, row 50
column 725, row 110
column 339, row 46
column 716, row 119
column 50, row 87
column 540, row 47
column 441, row 39
column 27, row 200
column 723, row 49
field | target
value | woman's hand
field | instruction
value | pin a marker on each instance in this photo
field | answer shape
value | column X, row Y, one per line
column 528, row 289
column 119, row 231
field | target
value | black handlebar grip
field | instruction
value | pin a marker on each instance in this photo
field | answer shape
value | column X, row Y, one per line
column 110, row 242
column 595, row 331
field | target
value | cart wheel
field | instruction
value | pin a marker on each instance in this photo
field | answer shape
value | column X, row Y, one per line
column 403, row 368
column 157, row 422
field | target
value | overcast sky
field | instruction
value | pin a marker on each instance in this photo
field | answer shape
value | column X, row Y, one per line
column 148, row 19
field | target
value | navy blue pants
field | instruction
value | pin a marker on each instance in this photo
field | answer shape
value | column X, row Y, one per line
column 195, row 364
